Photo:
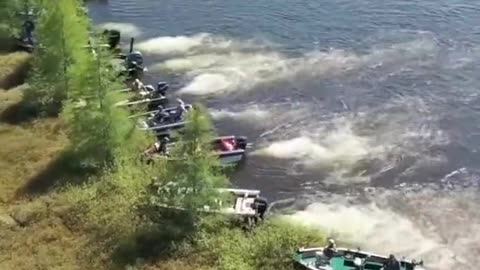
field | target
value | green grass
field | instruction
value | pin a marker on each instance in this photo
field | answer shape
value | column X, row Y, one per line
column 27, row 147
column 40, row 239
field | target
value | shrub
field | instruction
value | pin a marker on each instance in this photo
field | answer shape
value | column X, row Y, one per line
column 270, row 246
column 192, row 168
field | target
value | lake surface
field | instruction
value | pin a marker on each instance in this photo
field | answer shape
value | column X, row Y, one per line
column 365, row 115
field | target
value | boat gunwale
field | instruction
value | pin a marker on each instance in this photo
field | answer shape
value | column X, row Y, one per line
column 369, row 254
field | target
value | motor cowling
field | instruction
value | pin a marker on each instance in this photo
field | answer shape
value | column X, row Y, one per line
column 135, row 57
column 241, row 142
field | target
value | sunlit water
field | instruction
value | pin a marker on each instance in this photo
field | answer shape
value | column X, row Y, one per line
column 364, row 114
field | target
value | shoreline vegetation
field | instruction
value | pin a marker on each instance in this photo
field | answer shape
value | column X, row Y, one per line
column 73, row 192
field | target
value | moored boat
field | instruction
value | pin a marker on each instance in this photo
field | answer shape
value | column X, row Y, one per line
column 129, row 65
column 229, row 149
column 346, row 259
column 243, row 203
column 145, row 100
column 163, row 120
column 149, row 114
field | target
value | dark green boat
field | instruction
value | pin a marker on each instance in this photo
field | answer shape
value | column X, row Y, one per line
column 346, row 259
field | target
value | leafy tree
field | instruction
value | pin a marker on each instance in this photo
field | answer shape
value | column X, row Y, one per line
column 68, row 72
column 193, row 171
column 10, row 21
column 99, row 131
column 49, row 77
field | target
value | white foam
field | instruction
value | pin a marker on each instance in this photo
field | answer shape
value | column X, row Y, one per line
column 243, row 70
column 355, row 146
column 172, row 45
column 368, row 227
column 247, row 65
column 207, row 83
column 250, row 114
column 126, row 29
column 439, row 226
column 200, row 43
column 334, row 149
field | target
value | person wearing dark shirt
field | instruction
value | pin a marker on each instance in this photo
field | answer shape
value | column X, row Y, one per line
column 162, row 88
column 330, row 249
column 260, row 205
column 391, row 263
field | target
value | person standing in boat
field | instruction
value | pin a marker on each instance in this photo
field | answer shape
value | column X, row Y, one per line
column 29, row 27
column 158, row 148
column 391, row 263
column 260, row 205
column 162, row 88
column 179, row 111
column 330, row 249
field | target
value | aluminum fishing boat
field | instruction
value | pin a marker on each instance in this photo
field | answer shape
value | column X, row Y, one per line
column 346, row 259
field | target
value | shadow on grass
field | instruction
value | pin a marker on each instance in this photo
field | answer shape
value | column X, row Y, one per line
column 17, row 76
column 161, row 241
column 18, row 113
column 63, row 170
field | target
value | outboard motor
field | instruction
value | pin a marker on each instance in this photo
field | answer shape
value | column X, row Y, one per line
column 241, row 142
column 134, row 57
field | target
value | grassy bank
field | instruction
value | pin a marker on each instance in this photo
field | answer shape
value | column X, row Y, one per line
column 74, row 227
column 58, row 211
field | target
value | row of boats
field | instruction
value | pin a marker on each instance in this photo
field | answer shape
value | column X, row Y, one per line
column 161, row 117
column 248, row 204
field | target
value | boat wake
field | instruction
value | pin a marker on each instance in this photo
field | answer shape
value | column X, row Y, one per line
column 216, row 64
column 338, row 151
column 250, row 114
column 438, row 225
column 363, row 145
column 194, row 45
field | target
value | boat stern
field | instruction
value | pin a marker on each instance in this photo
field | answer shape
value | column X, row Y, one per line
column 241, row 142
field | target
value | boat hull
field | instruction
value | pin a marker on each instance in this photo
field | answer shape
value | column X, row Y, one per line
column 160, row 130
column 345, row 259
column 231, row 157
